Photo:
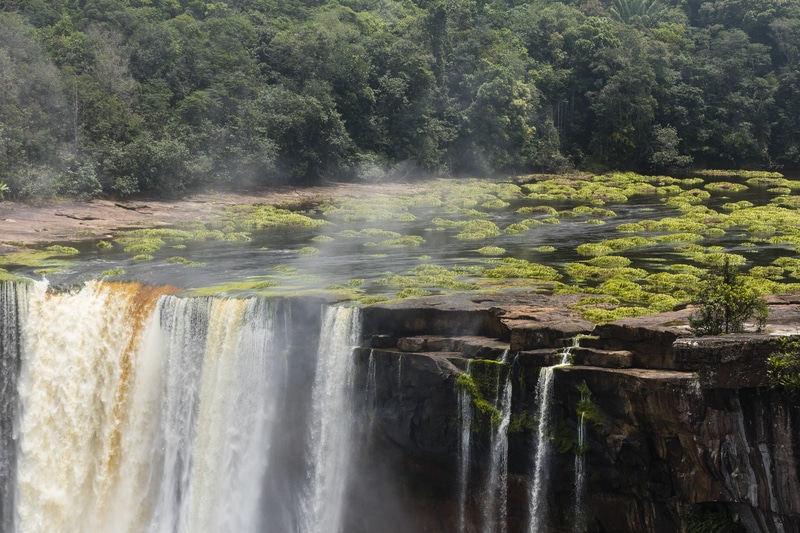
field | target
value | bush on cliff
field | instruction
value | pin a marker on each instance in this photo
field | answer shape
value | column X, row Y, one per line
column 726, row 303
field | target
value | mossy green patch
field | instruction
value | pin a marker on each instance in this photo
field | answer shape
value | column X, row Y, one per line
column 725, row 186
column 491, row 250
column 58, row 250
column 183, row 261
column 114, row 272
column 510, row 267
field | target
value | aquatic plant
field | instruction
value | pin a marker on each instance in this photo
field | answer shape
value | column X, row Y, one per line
column 592, row 249
column 183, row 261
column 307, row 251
column 62, row 250
column 511, row 267
column 114, row 272
column 725, row 186
column 104, row 245
column 478, row 229
column 491, row 250
column 545, row 248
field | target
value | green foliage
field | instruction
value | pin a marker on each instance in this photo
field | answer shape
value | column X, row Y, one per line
column 726, row 303
column 783, row 365
column 711, row 518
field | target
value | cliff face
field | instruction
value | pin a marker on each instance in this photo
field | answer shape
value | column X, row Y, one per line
column 679, row 430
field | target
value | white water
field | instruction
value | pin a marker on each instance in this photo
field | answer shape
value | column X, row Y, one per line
column 496, row 488
column 143, row 412
column 579, row 524
column 332, row 421
column 544, row 447
column 465, row 415
column 13, row 306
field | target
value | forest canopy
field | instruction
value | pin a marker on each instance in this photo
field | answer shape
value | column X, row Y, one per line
column 125, row 97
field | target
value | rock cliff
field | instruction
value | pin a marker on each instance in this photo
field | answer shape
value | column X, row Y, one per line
column 681, row 431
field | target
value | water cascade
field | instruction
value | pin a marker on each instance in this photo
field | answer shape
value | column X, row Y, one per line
column 332, row 420
column 580, row 469
column 465, row 420
column 13, row 307
column 496, row 486
column 146, row 412
column 543, row 451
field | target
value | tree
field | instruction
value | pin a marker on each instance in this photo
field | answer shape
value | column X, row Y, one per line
column 726, row 304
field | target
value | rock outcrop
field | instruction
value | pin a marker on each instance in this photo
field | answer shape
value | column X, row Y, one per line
column 681, row 429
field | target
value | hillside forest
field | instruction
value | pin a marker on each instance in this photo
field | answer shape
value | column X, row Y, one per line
column 162, row 97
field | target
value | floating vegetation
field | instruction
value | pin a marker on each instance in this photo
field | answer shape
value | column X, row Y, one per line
column 409, row 241
column 475, row 230
column 545, row 248
column 411, row 292
column 104, row 245
column 308, row 251
column 714, row 233
column 595, row 221
column 510, row 267
column 491, row 250
column 57, row 250
column 183, row 261
column 538, row 210
column 594, row 211
column 426, row 276
column 591, row 249
column 787, row 201
column 680, row 237
column 631, row 227
column 755, row 174
column 372, row 299
column 725, row 186
column 627, row 243
column 48, row 271
column 768, row 179
column 733, row 206
column 261, row 217
column 585, row 272
column 246, row 286
column 495, row 204
column 114, row 272
column 609, row 261
column 142, row 257
column 717, row 259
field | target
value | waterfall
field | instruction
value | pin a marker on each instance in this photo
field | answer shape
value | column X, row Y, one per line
column 332, row 420
column 465, row 416
column 580, row 470
column 128, row 409
column 13, row 309
column 496, row 488
column 543, row 450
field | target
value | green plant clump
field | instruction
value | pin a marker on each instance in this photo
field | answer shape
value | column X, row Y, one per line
column 783, row 365
column 726, row 303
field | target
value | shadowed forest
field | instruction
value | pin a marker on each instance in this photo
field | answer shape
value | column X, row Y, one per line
column 162, row 97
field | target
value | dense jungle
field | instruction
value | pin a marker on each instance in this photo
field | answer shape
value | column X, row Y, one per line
column 121, row 98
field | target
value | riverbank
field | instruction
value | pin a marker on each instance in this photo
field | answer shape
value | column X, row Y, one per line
column 24, row 224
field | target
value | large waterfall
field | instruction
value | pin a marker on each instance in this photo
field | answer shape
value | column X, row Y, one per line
column 127, row 409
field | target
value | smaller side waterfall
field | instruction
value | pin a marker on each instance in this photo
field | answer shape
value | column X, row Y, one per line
column 543, row 451
column 496, row 487
column 579, row 524
column 465, row 412
column 332, row 420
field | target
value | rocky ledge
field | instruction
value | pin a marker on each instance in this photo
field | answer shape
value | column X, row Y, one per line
column 679, row 427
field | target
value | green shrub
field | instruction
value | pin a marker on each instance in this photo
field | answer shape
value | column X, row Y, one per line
column 726, row 303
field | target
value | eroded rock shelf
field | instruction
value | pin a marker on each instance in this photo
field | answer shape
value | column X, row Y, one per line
column 679, row 425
